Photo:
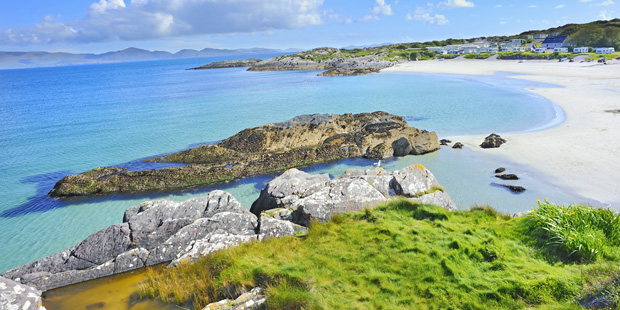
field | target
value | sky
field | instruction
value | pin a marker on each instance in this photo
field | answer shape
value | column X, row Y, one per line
column 87, row 26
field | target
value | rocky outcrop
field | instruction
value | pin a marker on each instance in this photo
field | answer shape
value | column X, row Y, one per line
column 251, row 300
column 16, row 296
column 152, row 233
column 302, row 141
column 444, row 142
column 507, row 176
column 500, row 170
column 492, row 141
column 349, row 72
column 229, row 64
column 457, row 145
column 315, row 197
column 331, row 59
column 513, row 188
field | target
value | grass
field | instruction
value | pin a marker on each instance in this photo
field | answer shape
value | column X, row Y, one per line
column 401, row 256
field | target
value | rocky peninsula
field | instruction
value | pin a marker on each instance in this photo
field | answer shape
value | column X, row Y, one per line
column 163, row 231
column 271, row 148
column 337, row 62
column 229, row 64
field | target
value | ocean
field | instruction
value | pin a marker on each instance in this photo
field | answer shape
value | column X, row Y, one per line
column 65, row 120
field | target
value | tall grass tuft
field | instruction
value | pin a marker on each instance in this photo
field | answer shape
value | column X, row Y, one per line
column 576, row 233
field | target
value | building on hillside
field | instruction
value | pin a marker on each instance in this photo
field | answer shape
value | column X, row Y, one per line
column 604, row 50
column 560, row 50
column 452, row 47
column 541, row 36
column 517, row 42
column 513, row 49
column 455, row 52
column 492, row 50
column 437, row 49
column 553, row 42
column 581, row 50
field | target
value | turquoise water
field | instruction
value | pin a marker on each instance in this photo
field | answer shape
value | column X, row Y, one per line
column 58, row 121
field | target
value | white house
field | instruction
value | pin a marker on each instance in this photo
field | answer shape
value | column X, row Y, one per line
column 605, row 50
column 540, row 50
column 454, row 52
column 580, row 50
column 541, row 36
column 560, row 50
column 492, row 50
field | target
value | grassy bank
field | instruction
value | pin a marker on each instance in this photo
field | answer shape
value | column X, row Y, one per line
column 407, row 256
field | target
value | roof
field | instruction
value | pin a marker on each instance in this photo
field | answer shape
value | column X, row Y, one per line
column 558, row 39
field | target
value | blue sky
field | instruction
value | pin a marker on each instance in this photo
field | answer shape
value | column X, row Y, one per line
column 172, row 25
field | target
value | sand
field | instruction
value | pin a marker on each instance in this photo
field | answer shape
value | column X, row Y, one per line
column 581, row 154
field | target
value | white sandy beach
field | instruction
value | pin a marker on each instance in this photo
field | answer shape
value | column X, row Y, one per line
column 581, row 154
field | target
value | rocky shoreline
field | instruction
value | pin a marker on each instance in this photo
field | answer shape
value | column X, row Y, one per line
column 176, row 233
column 272, row 148
column 229, row 64
column 331, row 59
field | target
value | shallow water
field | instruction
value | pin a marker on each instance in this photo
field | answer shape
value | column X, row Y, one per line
column 58, row 121
column 118, row 292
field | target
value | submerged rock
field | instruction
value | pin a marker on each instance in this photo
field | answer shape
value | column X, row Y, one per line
column 500, row 170
column 444, row 141
column 508, row 176
column 302, row 141
column 457, row 145
column 513, row 188
column 353, row 191
column 152, row 233
column 492, row 141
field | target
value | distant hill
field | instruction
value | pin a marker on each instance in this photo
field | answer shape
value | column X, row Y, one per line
column 16, row 60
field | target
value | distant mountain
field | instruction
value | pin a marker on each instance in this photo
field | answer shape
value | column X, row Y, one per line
column 16, row 60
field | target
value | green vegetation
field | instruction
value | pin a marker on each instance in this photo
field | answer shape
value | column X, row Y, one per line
column 577, row 233
column 410, row 256
column 594, row 56
column 447, row 56
column 479, row 56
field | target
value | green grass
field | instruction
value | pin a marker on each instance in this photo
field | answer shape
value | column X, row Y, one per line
column 479, row 56
column 399, row 256
column 594, row 56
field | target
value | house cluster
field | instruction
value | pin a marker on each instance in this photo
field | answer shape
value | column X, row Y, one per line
column 548, row 44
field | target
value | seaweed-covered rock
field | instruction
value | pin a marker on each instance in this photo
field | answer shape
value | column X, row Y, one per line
column 492, row 141
column 457, row 145
column 507, row 176
column 302, row 141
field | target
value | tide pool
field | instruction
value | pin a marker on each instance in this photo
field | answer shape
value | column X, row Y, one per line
column 65, row 120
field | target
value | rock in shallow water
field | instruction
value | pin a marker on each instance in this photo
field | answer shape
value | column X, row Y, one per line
column 492, row 141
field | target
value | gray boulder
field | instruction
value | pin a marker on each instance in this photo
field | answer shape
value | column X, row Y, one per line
column 16, row 296
column 251, row 300
column 286, row 189
column 351, row 192
column 275, row 228
column 151, row 233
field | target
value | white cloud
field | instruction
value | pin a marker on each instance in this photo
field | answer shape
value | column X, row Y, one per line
column 559, row 6
column 424, row 15
column 451, row 4
column 497, row 6
column 585, row 0
column 606, row 15
column 605, row 3
column 380, row 9
column 533, row 6
column 503, row 22
column 108, row 20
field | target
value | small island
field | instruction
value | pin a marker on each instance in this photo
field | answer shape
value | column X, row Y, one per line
column 229, row 64
column 271, row 148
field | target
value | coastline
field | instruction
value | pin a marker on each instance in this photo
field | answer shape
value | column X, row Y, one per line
column 580, row 153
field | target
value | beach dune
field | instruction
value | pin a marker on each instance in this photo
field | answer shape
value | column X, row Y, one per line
column 581, row 154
